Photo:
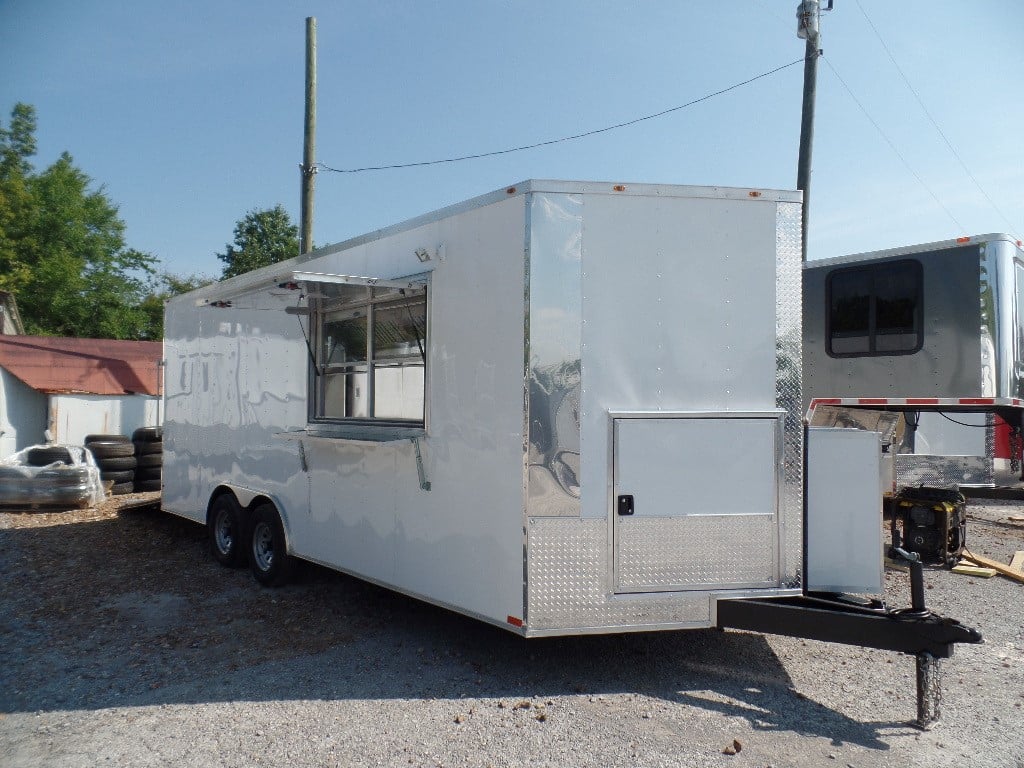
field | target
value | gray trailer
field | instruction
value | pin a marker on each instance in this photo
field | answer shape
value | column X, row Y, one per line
column 932, row 334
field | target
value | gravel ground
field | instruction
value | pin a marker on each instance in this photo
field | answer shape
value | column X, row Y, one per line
column 124, row 644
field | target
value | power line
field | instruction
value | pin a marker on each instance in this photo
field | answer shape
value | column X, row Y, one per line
column 892, row 146
column 574, row 137
column 928, row 114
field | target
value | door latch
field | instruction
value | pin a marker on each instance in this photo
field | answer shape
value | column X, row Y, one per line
column 625, row 505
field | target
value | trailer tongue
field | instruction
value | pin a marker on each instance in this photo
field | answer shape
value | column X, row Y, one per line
column 839, row 619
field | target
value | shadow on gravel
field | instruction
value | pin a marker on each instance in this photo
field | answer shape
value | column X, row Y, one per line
column 131, row 611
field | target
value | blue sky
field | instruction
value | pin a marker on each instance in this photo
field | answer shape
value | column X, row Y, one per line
column 190, row 114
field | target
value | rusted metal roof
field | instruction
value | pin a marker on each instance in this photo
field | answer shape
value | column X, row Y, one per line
column 86, row 366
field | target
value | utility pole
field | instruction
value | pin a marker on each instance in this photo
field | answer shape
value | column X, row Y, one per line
column 308, row 167
column 808, row 16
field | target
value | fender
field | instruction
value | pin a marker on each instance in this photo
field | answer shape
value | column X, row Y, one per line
column 246, row 496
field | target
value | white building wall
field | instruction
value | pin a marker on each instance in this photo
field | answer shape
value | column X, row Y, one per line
column 22, row 415
column 72, row 417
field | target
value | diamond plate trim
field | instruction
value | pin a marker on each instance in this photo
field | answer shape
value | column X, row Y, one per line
column 569, row 584
column 788, row 396
column 943, row 471
column 660, row 554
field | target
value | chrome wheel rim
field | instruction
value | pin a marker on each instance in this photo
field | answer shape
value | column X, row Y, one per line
column 224, row 532
column 263, row 546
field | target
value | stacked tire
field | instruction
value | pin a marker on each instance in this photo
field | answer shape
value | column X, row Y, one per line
column 115, row 456
column 149, row 458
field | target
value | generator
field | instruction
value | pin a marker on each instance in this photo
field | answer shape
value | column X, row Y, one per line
column 931, row 522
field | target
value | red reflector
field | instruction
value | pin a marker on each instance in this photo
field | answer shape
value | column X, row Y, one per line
column 826, row 401
column 872, row 401
column 514, row 621
column 977, row 401
column 963, row 239
column 922, row 401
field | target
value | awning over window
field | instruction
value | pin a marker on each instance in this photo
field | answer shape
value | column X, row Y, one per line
column 417, row 281
column 212, row 297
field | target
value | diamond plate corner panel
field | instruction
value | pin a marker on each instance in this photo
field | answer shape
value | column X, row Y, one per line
column 788, row 392
column 569, row 584
column 661, row 554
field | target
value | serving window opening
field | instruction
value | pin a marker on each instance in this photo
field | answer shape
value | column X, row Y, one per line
column 370, row 354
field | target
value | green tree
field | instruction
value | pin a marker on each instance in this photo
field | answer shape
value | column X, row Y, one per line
column 62, row 247
column 162, row 287
column 18, row 143
column 261, row 238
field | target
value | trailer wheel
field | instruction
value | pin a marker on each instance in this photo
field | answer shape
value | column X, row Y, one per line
column 268, row 557
column 224, row 525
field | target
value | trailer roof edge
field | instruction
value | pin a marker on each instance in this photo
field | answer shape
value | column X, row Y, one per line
column 281, row 271
column 904, row 250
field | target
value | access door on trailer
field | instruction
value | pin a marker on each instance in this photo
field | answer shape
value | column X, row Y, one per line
column 696, row 501
column 680, row 378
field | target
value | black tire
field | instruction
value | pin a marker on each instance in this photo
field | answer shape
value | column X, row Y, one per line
column 147, row 486
column 40, row 457
column 120, row 489
column 268, row 555
column 125, row 476
column 148, row 449
column 148, row 473
column 109, row 449
column 225, row 531
column 148, row 435
column 61, row 476
column 116, row 463
column 107, row 439
column 149, row 460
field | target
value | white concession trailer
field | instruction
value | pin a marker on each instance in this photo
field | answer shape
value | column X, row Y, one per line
column 561, row 407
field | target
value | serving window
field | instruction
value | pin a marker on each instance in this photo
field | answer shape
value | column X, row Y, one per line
column 875, row 310
column 370, row 354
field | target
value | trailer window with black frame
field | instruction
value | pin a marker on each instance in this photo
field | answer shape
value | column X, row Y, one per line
column 370, row 355
column 875, row 309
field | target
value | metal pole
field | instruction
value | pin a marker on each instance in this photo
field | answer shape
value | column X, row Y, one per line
column 808, row 16
column 309, row 143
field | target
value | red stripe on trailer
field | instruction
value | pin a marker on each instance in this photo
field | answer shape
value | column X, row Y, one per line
column 514, row 621
column 922, row 401
column 826, row 401
column 872, row 401
column 1002, row 439
column 977, row 401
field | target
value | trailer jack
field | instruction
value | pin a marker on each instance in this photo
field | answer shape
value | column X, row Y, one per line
column 852, row 621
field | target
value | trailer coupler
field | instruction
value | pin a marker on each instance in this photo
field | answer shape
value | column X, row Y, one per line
column 838, row 619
